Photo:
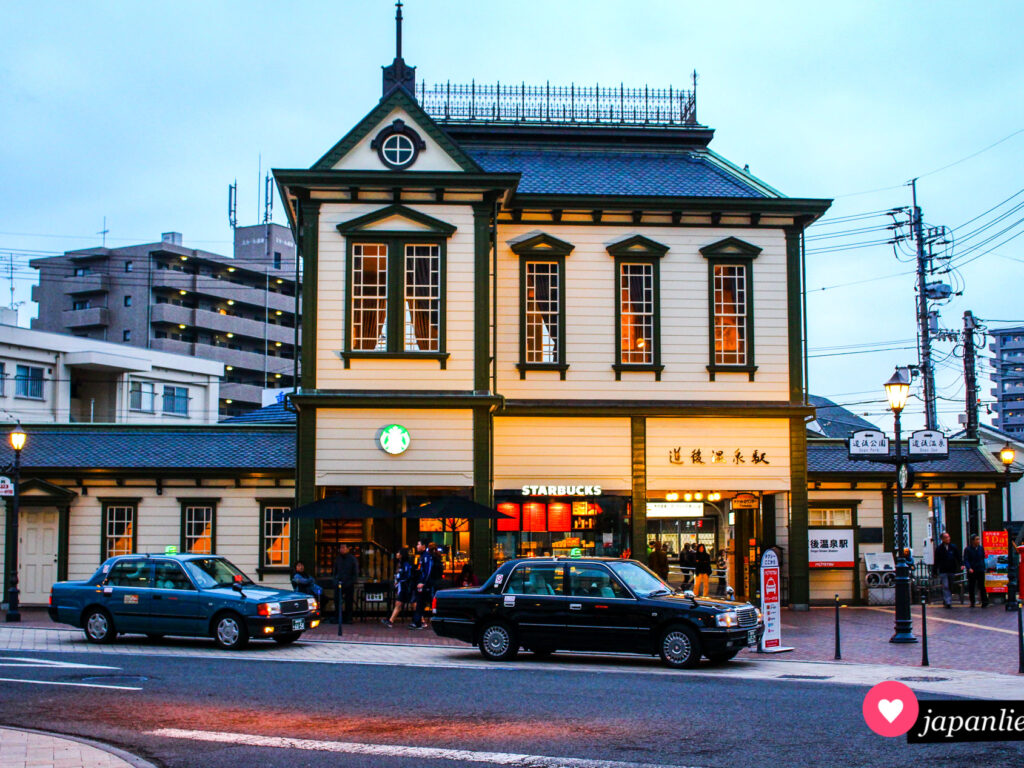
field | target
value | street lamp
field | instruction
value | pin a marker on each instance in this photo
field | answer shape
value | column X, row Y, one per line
column 1007, row 455
column 17, row 440
column 897, row 389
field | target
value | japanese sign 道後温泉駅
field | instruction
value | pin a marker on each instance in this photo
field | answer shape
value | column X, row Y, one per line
column 830, row 548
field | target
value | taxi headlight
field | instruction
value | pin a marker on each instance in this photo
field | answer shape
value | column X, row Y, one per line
column 727, row 619
column 312, row 603
column 760, row 616
column 268, row 609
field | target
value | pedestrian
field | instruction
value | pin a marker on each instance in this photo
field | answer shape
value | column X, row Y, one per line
column 974, row 562
column 722, row 563
column 702, row 569
column 425, row 578
column 346, row 571
column 303, row 582
column 686, row 563
column 403, row 585
column 467, row 578
column 657, row 561
column 947, row 566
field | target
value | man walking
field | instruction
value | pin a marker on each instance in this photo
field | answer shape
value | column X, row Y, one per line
column 657, row 561
column 974, row 562
column 947, row 565
column 346, row 571
column 425, row 578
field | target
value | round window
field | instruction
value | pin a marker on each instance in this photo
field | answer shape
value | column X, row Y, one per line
column 398, row 150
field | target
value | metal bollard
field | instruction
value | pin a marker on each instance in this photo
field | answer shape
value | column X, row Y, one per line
column 924, row 630
column 1020, row 641
column 339, row 604
column 839, row 654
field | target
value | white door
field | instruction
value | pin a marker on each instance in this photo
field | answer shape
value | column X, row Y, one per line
column 37, row 555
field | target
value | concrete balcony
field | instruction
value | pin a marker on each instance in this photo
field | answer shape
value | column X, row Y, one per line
column 78, row 284
column 243, row 361
column 85, row 318
column 241, row 393
column 207, row 320
column 223, row 290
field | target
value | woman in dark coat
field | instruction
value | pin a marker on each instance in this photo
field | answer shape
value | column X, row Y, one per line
column 403, row 585
column 702, row 569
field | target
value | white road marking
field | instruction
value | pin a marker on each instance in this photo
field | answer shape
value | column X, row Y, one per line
column 73, row 685
column 25, row 661
column 950, row 621
column 398, row 750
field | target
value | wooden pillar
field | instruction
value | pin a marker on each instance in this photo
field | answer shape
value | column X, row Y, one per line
column 638, row 521
column 955, row 524
column 481, row 545
column 799, row 573
column 995, row 512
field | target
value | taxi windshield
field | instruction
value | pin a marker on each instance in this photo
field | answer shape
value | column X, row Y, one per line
column 639, row 579
column 212, row 572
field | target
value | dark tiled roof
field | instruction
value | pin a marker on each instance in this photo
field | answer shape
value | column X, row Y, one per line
column 117, row 447
column 275, row 413
column 610, row 172
column 832, row 458
column 834, row 420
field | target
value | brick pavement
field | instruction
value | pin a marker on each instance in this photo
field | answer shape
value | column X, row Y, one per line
column 961, row 638
column 33, row 749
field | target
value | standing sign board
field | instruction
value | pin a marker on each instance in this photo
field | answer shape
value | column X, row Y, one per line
column 6, row 486
column 771, row 600
column 830, row 547
column 995, row 545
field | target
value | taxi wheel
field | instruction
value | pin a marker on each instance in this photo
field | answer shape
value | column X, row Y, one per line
column 679, row 647
column 722, row 657
column 498, row 642
column 230, row 633
column 287, row 638
column 99, row 627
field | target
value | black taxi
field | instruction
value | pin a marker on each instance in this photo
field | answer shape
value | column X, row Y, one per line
column 546, row 604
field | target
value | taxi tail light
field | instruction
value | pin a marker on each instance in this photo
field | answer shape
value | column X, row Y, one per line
column 433, row 605
column 51, row 596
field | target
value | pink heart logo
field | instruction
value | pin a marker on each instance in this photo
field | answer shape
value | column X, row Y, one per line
column 890, row 709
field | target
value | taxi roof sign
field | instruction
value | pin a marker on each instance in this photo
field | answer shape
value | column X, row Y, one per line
column 575, row 552
column 171, row 550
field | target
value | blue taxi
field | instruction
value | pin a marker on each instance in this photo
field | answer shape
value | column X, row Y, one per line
column 187, row 595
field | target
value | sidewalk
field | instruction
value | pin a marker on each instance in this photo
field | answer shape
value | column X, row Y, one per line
column 28, row 749
column 961, row 638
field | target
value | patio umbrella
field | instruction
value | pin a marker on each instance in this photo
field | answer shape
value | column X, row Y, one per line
column 338, row 508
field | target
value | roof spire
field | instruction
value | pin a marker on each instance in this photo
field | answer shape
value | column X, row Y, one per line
column 398, row 75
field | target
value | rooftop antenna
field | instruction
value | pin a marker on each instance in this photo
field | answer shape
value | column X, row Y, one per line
column 233, row 204
column 104, row 232
column 268, row 199
column 259, row 179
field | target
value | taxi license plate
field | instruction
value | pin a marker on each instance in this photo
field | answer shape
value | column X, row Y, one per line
column 752, row 637
column 298, row 624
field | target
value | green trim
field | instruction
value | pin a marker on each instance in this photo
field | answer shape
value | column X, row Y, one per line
column 529, row 255
column 297, row 179
column 799, row 576
column 482, row 531
column 396, row 245
column 457, row 399
column 789, row 206
column 64, row 541
column 638, row 472
column 638, row 246
column 768, row 521
column 198, row 502
column 731, row 252
column 482, row 217
column 656, row 367
column 105, row 504
column 745, row 176
column 262, row 569
column 304, row 530
column 540, row 245
column 358, row 225
column 652, row 408
column 309, row 244
column 397, row 98
column 794, row 306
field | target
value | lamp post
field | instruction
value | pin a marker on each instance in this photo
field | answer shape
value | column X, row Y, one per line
column 1006, row 455
column 17, row 439
column 897, row 389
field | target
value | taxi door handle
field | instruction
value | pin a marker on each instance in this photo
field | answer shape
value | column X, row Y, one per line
column 575, row 606
column 157, row 597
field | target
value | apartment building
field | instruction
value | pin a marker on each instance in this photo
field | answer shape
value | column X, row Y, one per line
column 164, row 296
column 1008, row 350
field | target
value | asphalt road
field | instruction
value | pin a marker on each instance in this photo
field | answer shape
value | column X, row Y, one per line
column 624, row 717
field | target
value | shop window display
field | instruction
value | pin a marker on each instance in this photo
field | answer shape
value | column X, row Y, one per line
column 547, row 526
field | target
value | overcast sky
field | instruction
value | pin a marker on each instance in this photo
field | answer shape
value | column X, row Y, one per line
column 145, row 112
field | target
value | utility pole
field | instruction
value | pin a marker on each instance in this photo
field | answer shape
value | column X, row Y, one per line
column 931, row 415
column 970, row 376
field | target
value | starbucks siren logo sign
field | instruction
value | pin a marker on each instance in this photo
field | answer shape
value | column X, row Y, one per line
column 394, row 439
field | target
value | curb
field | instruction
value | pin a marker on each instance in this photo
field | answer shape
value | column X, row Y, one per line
column 128, row 757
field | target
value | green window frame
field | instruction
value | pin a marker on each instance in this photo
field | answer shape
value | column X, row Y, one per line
column 195, row 513
column 541, row 255
column 727, row 260
column 282, row 525
column 115, row 515
column 410, row 307
column 635, row 258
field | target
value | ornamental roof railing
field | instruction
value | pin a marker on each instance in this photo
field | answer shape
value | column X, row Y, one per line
column 559, row 104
